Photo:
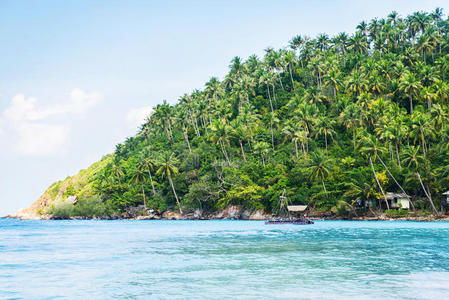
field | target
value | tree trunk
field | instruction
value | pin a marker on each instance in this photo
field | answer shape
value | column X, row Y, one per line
column 291, row 76
column 169, row 129
column 186, row 136
column 304, row 150
column 397, row 155
column 324, row 187
column 144, row 199
column 280, row 80
column 272, row 134
column 378, row 183
column 353, row 136
column 243, row 151
column 224, row 152
column 174, row 192
column 269, row 97
column 411, row 102
column 151, row 180
column 296, row 147
column 325, row 142
column 427, row 195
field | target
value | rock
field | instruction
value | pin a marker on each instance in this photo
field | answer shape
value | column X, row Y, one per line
column 71, row 200
column 198, row 213
column 170, row 215
column 259, row 215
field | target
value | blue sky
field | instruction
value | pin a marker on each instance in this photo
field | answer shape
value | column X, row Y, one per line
column 76, row 77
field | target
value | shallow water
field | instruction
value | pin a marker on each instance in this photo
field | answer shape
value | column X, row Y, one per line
column 223, row 259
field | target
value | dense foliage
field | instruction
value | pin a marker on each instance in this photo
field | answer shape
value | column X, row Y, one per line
column 331, row 122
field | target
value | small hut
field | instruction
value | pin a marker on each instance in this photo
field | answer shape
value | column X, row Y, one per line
column 445, row 203
column 397, row 201
column 296, row 209
column 446, row 194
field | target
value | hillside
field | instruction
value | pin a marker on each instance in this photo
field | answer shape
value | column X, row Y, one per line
column 332, row 122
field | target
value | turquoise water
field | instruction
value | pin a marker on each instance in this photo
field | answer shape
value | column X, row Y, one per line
column 223, row 259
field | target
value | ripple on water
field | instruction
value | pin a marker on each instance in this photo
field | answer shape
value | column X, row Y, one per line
column 223, row 259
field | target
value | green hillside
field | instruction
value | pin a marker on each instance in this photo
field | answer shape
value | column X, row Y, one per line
column 331, row 122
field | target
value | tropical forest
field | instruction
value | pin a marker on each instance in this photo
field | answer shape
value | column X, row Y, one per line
column 332, row 122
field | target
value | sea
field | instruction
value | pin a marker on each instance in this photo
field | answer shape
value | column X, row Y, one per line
column 223, row 259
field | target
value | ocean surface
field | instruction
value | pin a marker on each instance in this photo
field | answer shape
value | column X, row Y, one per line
column 223, row 260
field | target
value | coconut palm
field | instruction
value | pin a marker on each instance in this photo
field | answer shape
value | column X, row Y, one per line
column 167, row 169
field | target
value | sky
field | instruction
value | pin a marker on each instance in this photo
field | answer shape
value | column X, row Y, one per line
column 78, row 77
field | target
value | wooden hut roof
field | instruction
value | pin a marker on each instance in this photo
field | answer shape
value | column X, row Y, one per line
column 296, row 208
column 396, row 195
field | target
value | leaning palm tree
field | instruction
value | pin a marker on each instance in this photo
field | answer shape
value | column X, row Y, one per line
column 414, row 160
column 167, row 170
column 147, row 163
column 139, row 178
column 372, row 148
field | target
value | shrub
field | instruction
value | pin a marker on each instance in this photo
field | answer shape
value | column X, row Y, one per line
column 392, row 213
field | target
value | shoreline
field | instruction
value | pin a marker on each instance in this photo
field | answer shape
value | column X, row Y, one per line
column 430, row 218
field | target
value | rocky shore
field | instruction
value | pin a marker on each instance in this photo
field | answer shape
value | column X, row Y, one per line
column 232, row 212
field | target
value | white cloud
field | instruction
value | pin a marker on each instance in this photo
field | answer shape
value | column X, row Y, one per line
column 36, row 129
column 137, row 116
column 41, row 139
column 23, row 109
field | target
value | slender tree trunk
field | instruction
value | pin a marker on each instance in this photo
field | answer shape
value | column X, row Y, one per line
column 291, row 76
column 269, row 97
column 391, row 151
column 151, row 180
column 411, row 102
column 263, row 159
column 243, row 151
column 304, row 150
column 280, row 80
column 324, row 187
column 144, row 199
column 186, row 136
column 223, row 149
column 427, row 195
column 274, row 96
column 169, row 129
column 397, row 155
column 272, row 134
column 325, row 142
column 378, row 183
column 174, row 192
column 296, row 147
column 353, row 136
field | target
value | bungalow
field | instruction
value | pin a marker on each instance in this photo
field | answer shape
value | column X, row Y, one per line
column 397, row 201
column 445, row 203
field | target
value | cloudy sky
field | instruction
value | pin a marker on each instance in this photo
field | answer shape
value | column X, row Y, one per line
column 77, row 77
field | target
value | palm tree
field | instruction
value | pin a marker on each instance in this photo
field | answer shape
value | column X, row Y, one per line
column 319, row 167
column 372, row 147
column 167, row 169
column 410, row 85
column 148, row 163
column 263, row 148
column 139, row 178
column 325, row 126
column 220, row 131
column 414, row 160
column 117, row 170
